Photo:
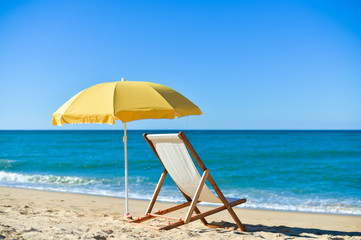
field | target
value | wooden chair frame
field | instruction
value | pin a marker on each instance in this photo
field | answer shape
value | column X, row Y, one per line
column 190, row 202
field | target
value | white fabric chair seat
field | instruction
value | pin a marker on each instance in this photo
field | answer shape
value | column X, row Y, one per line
column 179, row 164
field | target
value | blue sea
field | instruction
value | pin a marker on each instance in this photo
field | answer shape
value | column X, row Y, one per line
column 307, row 171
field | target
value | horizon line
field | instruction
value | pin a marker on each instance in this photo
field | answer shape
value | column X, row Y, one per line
column 178, row 129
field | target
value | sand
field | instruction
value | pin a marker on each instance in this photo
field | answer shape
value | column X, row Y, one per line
column 31, row 214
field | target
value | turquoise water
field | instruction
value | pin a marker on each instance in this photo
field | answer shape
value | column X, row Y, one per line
column 312, row 171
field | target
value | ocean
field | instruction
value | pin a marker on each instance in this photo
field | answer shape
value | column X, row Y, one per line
column 307, row 171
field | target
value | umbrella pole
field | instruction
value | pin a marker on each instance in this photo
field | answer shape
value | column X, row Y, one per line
column 126, row 169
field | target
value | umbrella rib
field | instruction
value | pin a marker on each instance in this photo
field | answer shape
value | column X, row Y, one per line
column 162, row 98
column 115, row 86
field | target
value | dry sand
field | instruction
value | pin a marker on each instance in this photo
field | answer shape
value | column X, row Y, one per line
column 31, row 214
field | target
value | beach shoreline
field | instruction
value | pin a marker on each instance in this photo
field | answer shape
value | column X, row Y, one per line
column 210, row 205
column 35, row 214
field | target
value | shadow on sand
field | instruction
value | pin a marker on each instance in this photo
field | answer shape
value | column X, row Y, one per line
column 289, row 231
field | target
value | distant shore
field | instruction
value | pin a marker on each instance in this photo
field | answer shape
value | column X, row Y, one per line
column 32, row 214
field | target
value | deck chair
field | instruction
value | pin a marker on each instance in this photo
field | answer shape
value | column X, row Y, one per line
column 171, row 150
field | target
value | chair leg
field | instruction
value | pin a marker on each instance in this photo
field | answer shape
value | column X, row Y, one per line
column 215, row 210
column 236, row 219
column 225, row 202
column 196, row 196
column 203, row 220
column 193, row 218
column 156, row 192
column 161, row 212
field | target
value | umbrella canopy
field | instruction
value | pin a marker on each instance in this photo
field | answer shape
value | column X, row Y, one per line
column 126, row 101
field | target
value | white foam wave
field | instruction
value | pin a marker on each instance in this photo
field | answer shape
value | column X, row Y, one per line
column 142, row 188
column 66, row 180
column 6, row 163
column 287, row 201
column 48, row 179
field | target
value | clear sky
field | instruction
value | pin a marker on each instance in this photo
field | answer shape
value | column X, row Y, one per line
column 246, row 64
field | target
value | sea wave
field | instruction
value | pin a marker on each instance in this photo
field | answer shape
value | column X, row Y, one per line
column 142, row 188
column 7, row 163
column 49, row 179
column 11, row 177
column 289, row 201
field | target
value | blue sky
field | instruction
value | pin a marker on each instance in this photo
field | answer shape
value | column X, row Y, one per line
column 246, row 64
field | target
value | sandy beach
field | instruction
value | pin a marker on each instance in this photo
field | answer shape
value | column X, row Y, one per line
column 31, row 214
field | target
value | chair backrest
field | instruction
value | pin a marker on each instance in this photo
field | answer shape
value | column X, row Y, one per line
column 175, row 158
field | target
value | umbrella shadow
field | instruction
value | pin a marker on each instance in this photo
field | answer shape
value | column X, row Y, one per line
column 289, row 231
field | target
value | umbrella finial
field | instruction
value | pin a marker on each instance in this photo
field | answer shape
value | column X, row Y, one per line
column 123, row 80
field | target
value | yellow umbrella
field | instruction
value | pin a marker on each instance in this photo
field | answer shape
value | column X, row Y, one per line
column 126, row 101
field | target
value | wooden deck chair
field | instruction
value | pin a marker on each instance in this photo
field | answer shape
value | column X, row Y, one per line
column 171, row 150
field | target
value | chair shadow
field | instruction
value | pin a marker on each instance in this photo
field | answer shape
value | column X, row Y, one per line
column 289, row 231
